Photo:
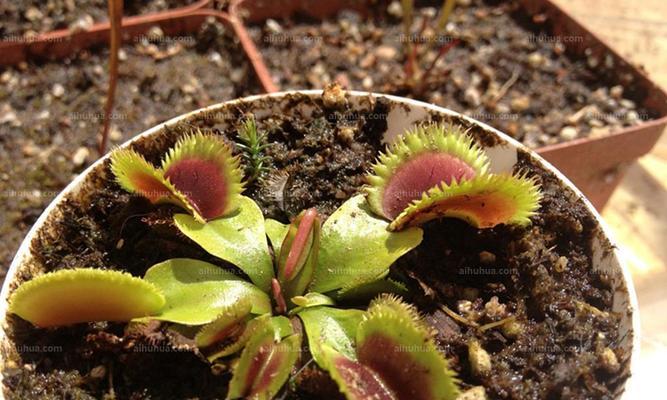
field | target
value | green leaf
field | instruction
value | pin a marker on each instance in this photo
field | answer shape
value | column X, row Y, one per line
column 332, row 327
column 312, row 299
column 355, row 243
column 264, row 365
column 367, row 291
column 84, row 295
column 281, row 326
column 239, row 238
column 297, row 245
column 197, row 292
column 299, row 252
column 276, row 231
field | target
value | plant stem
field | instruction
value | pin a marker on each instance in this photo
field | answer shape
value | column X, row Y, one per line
column 445, row 12
column 115, row 20
column 441, row 53
column 410, row 55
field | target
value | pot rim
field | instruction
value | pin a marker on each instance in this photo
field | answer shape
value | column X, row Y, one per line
column 24, row 250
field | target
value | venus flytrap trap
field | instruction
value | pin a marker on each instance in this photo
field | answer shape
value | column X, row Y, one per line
column 198, row 174
column 296, row 270
column 435, row 172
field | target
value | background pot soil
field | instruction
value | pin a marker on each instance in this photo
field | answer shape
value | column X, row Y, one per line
column 28, row 17
column 541, row 274
column 50, row 114
column 550, row 97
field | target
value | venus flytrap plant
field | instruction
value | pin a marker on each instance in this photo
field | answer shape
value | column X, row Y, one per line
column 297, row 270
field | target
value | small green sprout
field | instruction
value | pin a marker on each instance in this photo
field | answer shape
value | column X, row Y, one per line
column 252, row 144
column 297, row 270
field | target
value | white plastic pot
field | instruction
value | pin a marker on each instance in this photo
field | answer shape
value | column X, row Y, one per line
column 403, row 113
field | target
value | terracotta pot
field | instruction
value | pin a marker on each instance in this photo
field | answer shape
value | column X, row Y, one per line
column 403, row 113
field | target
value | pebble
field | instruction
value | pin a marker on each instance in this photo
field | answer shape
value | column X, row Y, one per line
column 480, row 361
column 632, row 116
column 502, row 108
column 494, row 309
column 609, row 361
column 367, row 83
column 559, row 48
column 598, row 132
column 561, row 264
column 82, row 24
column 395, row 9
column 8, row 116
column 386, row 53
column 627, row 103
column 592, row 62
column 6, row 77
column 512, row 329
column 154, row 33
column 536, row 60
column 122, row 55
column 43, row 115
column 346, row 135
column 464, row 3
column 237, row 75
column 33, row 14
column 568, row 133
column 472, row 96
column 190, row 89
column 475, row 393
column 600, row 95
column 29, row 149
column 521, row 103
column 595, row 123
column 98, row 372
column 115, row 134
column 616, row 92
column 273, row 26
column 333, row 96
column 80, row 155
column 57, row 90
column 215, row 58
column 486, row 257
column 367, row 61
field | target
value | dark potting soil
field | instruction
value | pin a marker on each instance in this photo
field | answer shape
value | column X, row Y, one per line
column 22, row 19
column 507, row 69
column 51, row 113
column 557, row 346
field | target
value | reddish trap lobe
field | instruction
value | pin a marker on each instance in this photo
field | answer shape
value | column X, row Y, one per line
column 418, row 175
column 203, row 184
